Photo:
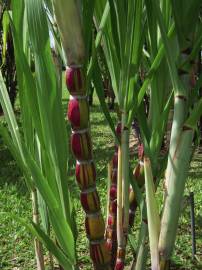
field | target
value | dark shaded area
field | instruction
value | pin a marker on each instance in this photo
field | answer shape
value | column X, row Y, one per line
column 8, row 68
column 10, row 174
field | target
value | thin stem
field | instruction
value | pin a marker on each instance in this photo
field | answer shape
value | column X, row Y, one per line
column 119, row 201
column 37, row 243
column 123, row 194
column 108, row 192
column 125, row 176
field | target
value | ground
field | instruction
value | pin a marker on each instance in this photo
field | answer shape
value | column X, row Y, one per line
column 16, row 246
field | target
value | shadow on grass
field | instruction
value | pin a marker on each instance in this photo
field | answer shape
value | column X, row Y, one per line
column 10, row 174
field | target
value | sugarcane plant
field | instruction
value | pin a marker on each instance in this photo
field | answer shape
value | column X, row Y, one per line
column 164, row 79
column 150, row 49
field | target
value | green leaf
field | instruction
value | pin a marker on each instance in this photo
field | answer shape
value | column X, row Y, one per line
column 30, row 84
column 142, row 252
column 195, row 115
column 87, row 15
column 18, row 16
column 50, row 102
column 61, row 227
column 97, row 81
column 44, row 100
column 43, row 213
column 186, row 15
column 117, row 11
column 159, row 129
column 177, row 85
column 152, row 71
column 36, row 231
column 98, row 40
column 51, row 246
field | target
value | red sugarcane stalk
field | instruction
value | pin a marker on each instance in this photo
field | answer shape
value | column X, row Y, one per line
column 78, row 115
column 111, row 235
column 122, row 232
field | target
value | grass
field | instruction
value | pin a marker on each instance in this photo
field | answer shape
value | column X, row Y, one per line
column 16, row 249
column 16, row 246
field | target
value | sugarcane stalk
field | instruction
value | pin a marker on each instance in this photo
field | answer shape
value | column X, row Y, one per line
column 37, row 243
column 69, row 22
column 174, row 196
column 123, row 194
column 120, row 234
column 111, row 227
column 68, row 19
column 85, row 169
column 152, row 215
column 125, row 180
column 111, row 237
column 176, row 172
column 109, row 173
column 178, row 117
